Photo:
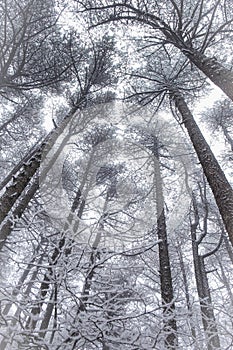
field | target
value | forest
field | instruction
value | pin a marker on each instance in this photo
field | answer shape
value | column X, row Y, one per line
column 116, row 198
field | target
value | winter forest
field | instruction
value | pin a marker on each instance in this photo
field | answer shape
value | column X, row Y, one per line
column 116, row 199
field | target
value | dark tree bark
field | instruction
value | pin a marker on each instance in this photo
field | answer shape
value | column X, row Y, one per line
column 151, row 142
column 48, row 314
column 216, row 178
column 23, row 178
column 215, row 71
column 17, row 213
column 18, row 166
column 166, row 285
column 28, row 170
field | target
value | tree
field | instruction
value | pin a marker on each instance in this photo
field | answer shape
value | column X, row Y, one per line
column 173, row 82
column 208, row 318
column 151, row 142
column 29, row 37
column 99, row 65
column 217, row 180
column 111, row 237
column 219, row 119
column 173, row 22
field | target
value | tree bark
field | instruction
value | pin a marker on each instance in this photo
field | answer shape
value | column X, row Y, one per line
column 167, row 294
column 28, row 170
column 216, row 178
column 17, row 213
column 215, row 71
column 48, row 314
column 18, row 166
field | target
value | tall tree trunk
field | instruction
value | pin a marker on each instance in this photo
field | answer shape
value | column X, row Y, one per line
column 215, row 71
column 86, row 289
column 167, row 294
column 216, row 178
column 78, row 203
column 207, row 313
column 48, row 314
column 28, row 169
column 194, row 341
column 166, row 285
column 17, row 213
column 20, row 164
column 227, row 136
column 208, row 318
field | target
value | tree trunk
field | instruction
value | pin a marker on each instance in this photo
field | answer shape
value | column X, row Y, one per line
column 208, row 318
column 207, row 313
column 166, row 286
column 47, row 315
column 216, row 178
column 78, row 203
column 18, row 166
column 216, row 72
column 194, row 341
column 28, row 169
column 227, row 136
column 7, row 226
